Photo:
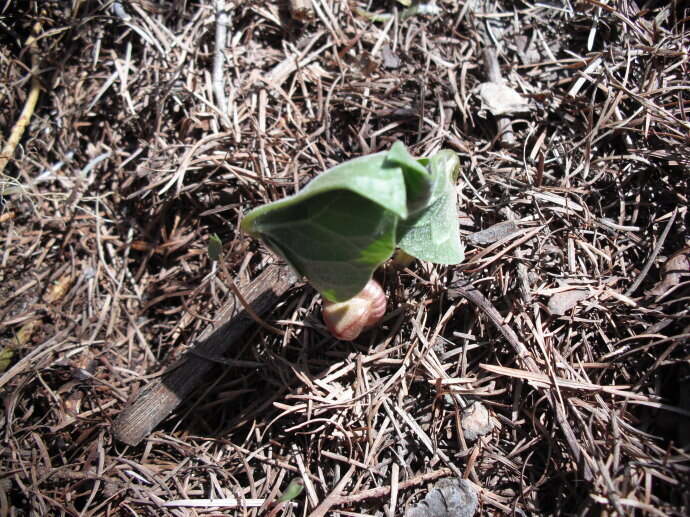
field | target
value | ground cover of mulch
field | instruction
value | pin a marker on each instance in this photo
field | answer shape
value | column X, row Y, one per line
column 136, row 152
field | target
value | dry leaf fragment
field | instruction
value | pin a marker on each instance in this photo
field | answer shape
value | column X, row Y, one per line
column 476, row 421
column 500, row 99
column 561, row 302
column 6, row 355
column 675, row 270
column 25, row 333
column 21, row 339
column 56, row 292
column 59, row 289
column 449, row 498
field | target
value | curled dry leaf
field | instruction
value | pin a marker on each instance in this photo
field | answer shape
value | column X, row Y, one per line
column 476, row 421
column 500, row 99
column 675, row 270
column 346, row 320
column 560, row 303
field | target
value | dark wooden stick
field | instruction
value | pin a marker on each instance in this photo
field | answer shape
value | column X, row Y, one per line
column 161, row 397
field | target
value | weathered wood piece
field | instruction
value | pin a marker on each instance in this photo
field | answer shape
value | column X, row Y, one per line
column 162, row 396
column 493, row 74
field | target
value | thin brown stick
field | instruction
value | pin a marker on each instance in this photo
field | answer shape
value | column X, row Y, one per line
column 475, row 296
column 383, row 491
column 652, row 257
column 29, row 106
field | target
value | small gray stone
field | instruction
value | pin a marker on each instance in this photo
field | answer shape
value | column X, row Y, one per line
column 450, row 497
column 476, row 421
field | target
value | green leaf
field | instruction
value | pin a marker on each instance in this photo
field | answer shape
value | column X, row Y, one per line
column 215, row 247
column 373, row 177
column 342, row 226
column 336, row 239
column 433, row 234
column 345, row 223
column 293, row 489
column 417, row 178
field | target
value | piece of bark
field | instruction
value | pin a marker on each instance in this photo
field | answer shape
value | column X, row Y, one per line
column 390, row 59
column 162, row 396
column 476, row 422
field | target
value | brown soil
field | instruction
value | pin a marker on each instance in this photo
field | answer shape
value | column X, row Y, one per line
column 129, row 163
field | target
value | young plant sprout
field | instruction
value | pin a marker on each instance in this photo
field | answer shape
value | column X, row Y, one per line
column 350, row 219
column 346, row 320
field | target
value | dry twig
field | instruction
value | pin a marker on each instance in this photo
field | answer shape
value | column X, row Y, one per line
column 32, row 98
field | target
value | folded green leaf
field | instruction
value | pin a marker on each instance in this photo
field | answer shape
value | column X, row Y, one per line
column 336, row 239
column 293, row 490
column 345, row 223
column 215, row 247
column 418, row 181
column 433, row 234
